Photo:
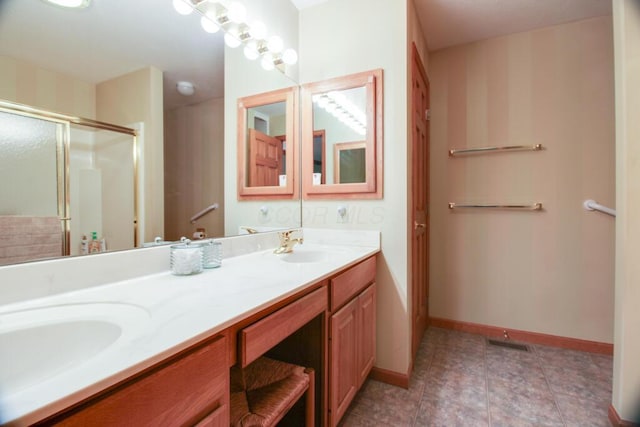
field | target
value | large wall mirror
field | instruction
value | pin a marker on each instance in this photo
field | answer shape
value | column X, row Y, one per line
column 267, row 145
column 342, row 137
column 119, row 62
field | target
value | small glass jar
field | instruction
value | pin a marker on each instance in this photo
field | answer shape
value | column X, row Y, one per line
column 186, row 259
column 212, row 256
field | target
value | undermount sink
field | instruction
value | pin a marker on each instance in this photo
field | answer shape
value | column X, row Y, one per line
column 40, row 343
column 302, row 256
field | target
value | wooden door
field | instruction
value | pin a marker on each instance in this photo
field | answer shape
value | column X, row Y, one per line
column 343, row 370
column 366, row 332
column 265, row 154
column 419, row 200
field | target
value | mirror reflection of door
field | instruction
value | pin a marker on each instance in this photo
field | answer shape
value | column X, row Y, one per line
column 319, row 157
column 266, row 157
column 265, row 154
column 283, row 158
column 350, row 162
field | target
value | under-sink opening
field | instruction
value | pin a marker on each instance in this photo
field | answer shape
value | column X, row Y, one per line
column 305, row 348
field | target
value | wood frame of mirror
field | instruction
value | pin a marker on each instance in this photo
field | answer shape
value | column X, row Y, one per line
column 290, row 190
column 372, row 187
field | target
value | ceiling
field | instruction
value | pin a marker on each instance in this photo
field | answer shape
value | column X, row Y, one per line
column 114, row 37
column 452, row 22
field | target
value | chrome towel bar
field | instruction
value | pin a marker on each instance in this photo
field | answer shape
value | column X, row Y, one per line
column 592, row 205
column 532, row 207
column 455, row 152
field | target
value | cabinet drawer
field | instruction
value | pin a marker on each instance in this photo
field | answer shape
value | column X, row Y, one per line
column 348, row 284
column 266, row 333
column 218, row 418
column 178, row 393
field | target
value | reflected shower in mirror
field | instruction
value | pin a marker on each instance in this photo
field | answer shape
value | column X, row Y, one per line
column 67, row 185
column 342, row 137
column 102, row 64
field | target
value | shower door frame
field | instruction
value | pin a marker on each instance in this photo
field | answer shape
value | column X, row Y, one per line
column 63, row 143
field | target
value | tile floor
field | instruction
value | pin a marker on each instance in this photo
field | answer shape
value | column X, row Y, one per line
column 459, row 380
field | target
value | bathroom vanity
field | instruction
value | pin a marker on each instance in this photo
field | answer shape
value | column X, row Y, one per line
column 315, row 306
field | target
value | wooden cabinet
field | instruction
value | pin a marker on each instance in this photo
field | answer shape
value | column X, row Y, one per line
column 352, row 335
column 189, row 389
column 343, row 370
column 263, row 335
column 329, row 326
column 366, row 318
column 218, row 418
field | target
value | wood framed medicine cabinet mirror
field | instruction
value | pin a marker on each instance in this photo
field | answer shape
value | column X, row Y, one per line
column 342, row 137
column 268, row 145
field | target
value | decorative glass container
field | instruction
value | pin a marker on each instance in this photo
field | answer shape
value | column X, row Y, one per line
column 212, row 256
column 186, row 259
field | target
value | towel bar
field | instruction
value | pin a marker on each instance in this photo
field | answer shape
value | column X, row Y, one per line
column 455, row 152
column 533, row 207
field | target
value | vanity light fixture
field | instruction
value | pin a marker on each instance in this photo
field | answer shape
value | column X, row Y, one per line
column 72, row 4
column 343, row 109
column 231, row 18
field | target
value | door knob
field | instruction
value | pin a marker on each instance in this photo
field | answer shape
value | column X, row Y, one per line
column 417, row 225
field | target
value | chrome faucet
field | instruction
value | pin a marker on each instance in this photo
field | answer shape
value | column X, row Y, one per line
column 287, row 242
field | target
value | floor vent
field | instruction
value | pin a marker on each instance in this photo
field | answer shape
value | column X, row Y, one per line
column 508, row 344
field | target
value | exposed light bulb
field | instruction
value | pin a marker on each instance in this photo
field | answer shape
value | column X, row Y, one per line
column 290, row 56
column 267, row 62
column 258, row 30
column 209, row 24
column 251, row 50
column 275, row 44
column 183, row 7
column 337, row 96
column 236, row 12
column 232, row 38
column 323, row 101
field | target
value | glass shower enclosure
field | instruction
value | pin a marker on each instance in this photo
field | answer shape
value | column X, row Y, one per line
column 63, row 180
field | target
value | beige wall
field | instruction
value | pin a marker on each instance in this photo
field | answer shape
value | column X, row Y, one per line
column 26, row 83
column 132, row 98
column 335, row 40
column 626, row 369
column 552, row 271
column 244, row 78
column 194, row 168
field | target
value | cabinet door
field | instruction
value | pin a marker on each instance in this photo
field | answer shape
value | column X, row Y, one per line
column 366, row 332
column 218, row 418
column 343, row 369
column 177, row 393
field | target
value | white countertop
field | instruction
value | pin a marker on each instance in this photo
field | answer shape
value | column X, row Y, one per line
column 170, row 313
